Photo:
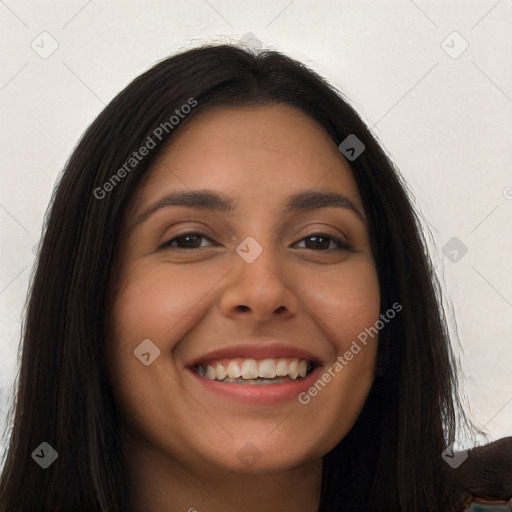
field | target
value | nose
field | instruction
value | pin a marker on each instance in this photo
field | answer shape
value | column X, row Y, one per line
column 259, row 291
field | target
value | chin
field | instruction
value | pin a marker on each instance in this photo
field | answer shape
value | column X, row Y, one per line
column 259, row 456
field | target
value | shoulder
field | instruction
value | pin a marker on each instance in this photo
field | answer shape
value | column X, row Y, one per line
column 484, row 480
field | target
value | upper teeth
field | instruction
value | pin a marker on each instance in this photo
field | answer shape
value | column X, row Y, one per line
column 251, row 369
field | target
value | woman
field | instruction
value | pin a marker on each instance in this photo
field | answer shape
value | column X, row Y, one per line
column 233, row 308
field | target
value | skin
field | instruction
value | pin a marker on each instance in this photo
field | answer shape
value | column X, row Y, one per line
column 182, row 442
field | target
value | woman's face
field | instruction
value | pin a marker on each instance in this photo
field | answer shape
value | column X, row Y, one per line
column 251, row 287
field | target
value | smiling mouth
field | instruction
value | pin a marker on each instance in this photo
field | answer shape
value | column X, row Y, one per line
column 256, row 372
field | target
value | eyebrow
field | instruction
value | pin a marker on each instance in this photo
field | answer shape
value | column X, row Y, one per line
column 222, row 203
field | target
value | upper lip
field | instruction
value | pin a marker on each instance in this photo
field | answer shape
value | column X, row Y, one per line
column 257, row 350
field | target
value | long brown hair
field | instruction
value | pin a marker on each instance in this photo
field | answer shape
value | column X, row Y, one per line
column 390, row 460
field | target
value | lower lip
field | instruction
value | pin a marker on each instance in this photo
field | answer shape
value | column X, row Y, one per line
column 258, row 394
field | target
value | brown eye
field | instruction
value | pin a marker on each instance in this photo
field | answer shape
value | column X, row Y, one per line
column 323, row 241
column 185, row 241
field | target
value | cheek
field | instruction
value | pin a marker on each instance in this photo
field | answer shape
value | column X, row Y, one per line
column 152, row 301
column 346, row 307
column 152, row 291
column 156, row 302
column 347, row 303
column 148, row 305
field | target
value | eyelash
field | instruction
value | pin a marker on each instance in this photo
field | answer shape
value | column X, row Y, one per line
column 343, row 246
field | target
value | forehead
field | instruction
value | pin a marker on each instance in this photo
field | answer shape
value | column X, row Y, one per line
column 264, row 150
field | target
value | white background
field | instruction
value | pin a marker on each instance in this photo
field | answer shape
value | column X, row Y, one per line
column 446, row 122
